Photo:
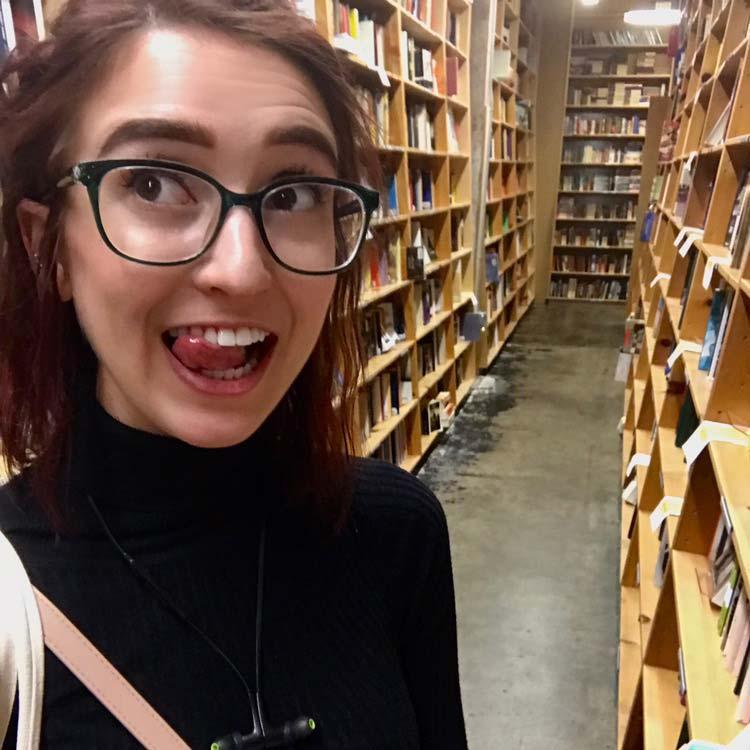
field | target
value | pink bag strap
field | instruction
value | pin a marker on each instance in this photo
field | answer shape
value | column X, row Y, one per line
column 104, row 681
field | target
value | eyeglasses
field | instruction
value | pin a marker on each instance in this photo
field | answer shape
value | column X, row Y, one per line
column 161, row 213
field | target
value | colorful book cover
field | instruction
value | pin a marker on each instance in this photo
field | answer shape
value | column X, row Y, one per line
column 712, row 330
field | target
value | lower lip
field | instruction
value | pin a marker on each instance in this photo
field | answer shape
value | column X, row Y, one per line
column 214, row 387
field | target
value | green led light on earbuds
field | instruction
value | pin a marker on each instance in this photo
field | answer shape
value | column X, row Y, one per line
column 311, row 723
column 215, row 746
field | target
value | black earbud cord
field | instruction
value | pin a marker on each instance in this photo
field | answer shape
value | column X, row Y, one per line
column 261, row 737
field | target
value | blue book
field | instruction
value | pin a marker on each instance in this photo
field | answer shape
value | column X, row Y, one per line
column 492, row 268
column 426, row 190
column 649, row 221
column 712, row 329
column 392, row 196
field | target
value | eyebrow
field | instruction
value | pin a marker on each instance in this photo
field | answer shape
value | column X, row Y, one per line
column 195, row 134
column 158, row 129
column 303, row 135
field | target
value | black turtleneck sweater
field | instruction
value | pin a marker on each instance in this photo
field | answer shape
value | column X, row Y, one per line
column 359, row 630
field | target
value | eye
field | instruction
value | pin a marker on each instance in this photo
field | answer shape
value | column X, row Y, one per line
column 161, row 188
column 295, row 198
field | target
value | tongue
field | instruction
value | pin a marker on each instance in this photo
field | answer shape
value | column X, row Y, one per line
column 198, row 354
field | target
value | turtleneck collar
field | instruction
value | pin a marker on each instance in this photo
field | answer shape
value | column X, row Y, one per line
column 145, row 483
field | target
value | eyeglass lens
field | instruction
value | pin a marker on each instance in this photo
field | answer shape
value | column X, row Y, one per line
column 164, row 215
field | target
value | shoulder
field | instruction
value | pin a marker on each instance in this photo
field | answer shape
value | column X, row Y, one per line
column 389, row 500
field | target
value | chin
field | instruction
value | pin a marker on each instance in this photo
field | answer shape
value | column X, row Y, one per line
column 212, row 431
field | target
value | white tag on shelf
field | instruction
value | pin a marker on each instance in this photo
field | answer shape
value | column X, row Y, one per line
column 658, row 277
column 346, row 43
column 669, row 506
column 683, row 346
column 630, row 493
column 382, row 75
column 711, row 263
column 684, row 232
column 688, row 243
column 639, row 459
column 709, row 432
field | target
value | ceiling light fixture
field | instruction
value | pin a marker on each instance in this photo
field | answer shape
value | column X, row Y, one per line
column 589, row 3
column 653, row 17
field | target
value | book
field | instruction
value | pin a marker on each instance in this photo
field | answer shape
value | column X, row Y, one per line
column 743, row 667
column 28, row 19
column 392, row 195
column 8, row 40
column 690, row 273
column 735, row 624
column 724, row 613
column 415, row 262
column 737, row 208
column 502, row 68
column 721, row 334
column 687, row 421
column 712, row 328
column 451, row 76
column 492, row 267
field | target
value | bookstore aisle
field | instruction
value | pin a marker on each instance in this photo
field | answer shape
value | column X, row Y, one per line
column 527, row 476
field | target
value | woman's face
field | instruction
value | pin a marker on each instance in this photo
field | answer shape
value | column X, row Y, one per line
column 247, row 117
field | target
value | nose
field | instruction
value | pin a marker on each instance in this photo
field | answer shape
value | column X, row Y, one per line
column 237, row 263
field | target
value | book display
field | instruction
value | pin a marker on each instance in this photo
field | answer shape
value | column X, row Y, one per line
column 612, row 76
column 511, row 186
column 410, row 62
column 685, row 563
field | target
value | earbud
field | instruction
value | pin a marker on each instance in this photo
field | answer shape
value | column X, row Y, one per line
column 284, row 736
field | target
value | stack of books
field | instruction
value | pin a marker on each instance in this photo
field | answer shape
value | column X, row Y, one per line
column 357, row 33
column 602, row 153
column 418, row 64
column 604, row 125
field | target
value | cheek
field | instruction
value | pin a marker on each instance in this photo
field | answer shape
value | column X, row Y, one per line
column 309, row 299
column 112, row 297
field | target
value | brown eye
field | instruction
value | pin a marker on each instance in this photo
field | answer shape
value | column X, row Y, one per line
column 147, row 186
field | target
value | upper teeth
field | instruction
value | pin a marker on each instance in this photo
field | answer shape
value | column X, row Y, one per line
column 222, row 336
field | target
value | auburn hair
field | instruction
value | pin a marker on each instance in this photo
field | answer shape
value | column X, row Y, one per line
column 44, row 357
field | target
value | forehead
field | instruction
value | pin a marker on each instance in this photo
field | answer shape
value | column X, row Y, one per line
column 237, row 90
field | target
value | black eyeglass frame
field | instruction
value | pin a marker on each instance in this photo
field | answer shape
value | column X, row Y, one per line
column 91, row 173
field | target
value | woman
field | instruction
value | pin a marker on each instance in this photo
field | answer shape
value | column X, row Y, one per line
column 182, row 211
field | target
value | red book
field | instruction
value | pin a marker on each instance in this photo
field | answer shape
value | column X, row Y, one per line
column 451, row 76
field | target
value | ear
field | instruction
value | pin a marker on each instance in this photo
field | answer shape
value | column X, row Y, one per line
column 32, row 221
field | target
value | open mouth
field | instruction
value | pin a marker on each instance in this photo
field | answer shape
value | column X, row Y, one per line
column 220, row 353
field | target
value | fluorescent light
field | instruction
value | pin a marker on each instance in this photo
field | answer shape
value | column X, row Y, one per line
column 589, row 3
column 653, row 17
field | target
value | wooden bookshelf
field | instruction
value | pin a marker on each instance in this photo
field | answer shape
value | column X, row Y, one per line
column 510, row 193
column 604, row 145
column 416, row 93
column 699, row 181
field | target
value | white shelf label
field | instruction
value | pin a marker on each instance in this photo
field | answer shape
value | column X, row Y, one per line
column 711, row 263
column 709, row 432
column 683, row 346
column 639, row 459
column 668, row 506
column 382, row 75
column 684, row 232
column 659, row 276
column 688, row 243
column 630, row 493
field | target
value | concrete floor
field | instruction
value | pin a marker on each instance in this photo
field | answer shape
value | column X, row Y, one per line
column 529, row 478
